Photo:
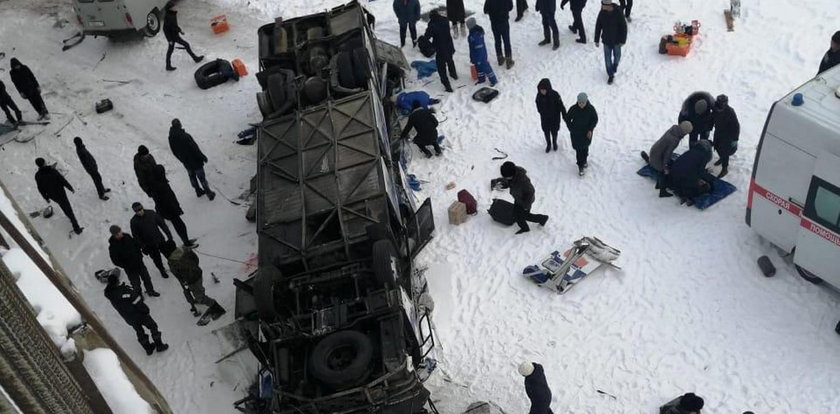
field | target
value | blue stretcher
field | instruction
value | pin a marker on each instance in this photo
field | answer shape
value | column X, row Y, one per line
column 720, row 188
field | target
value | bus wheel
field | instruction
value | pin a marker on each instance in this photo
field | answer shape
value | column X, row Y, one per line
column 808, row 276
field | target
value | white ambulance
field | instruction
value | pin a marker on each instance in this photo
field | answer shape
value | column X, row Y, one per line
column 113, row 17
column 794, row 196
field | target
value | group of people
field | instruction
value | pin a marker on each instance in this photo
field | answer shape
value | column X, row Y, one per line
column 581, row 119
column 29, row 88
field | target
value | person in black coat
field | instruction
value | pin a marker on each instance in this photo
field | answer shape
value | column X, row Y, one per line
column 144, row 164
column 627, row 5
column 146, row 226
column 577, row 22
column 727, row 130
column 688, row 177
column 173, row 34
column 552, row 112
column 28, row 87
column 185, row 149
column 129, row 304
column 832, row 56
column 457, row 15
column 125, row 253
column 89, row 164
column 581, row 120
column 6, row 102
column 51, row 185
column 408, row 13
column 424, row 121
column 547, row 8
column 438, row 33
column 697, row 109
column 498, row 11
column 516, row 179
column 613, row 27
column 536, row 387
column 166, row 204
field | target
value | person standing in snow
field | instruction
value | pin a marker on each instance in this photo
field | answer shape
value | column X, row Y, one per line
column 516, row 179
column 28, row 87
column 89, row 164
column 727, row 131
column 51, row 184
column 173, row 34
column 6, row 102
column 146, row 226
column 688, row 176
column 438, row 33
column 627, row 6
column 697, row 109
column 547, row 8
column 125, row 253
column 581, row 120
column 685, row 404
column 129, row 304
column 661, row 151
column 521, row 6
column 185, row 149
column 408, row 13
column 536, row 387
column 183, row 263
column 832, row 56
column 478, row 52
column 166, row 204
column 498, row 11
column 612, row 25
column 144, row 165
column 552, row 112
column 424, row 121
column 577, row 21
column 456, row 13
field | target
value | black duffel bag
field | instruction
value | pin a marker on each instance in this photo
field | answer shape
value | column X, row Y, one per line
column 502, row 211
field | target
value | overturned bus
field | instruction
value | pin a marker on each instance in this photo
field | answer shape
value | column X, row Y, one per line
column 338, row 314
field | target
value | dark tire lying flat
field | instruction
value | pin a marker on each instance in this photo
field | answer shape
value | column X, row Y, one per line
column 342, row 359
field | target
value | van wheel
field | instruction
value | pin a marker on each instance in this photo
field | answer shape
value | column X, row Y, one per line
column 808, row 276
column 342, row 359
column 152, row 23
column 265, row 285
column 384, row 263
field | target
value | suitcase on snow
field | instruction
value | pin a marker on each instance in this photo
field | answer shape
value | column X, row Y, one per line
column 502, row 212
column 465, row 197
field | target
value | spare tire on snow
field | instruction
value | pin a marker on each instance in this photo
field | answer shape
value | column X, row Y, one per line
column 213, row 73
column 342, row 359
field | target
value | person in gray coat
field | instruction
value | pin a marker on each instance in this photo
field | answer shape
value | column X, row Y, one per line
column 660, row 153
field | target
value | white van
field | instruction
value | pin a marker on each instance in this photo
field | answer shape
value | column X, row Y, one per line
column 794, row 196
column 113, row 17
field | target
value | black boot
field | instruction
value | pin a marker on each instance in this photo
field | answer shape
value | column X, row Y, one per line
column 523, row 231
column 148, row 347
column 664, row 193
column 210, row 195
column 545, row 42
column 543, row 220
column 159, row 345
column 554, row 144
column 645, row 156
column 547, row 148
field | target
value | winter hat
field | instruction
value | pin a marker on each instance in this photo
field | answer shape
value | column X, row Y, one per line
column 836, row 37
column 721, row 102
column 526, row 369
column 701, row 106
column 77, row 141
column 686, row 127
column 690, row 402
column 544, row 84
column 582, row 97
column 471, row 23
column 136, row 206
column 40, row 162
column 14, row 63
column 142, row 150
column 508, row 169
column 176, row 123
column 114, row 230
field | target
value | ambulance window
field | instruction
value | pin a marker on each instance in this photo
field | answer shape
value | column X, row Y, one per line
column 823, row 205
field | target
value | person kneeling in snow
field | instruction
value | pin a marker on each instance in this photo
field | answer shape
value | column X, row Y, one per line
column 424, row 121
column 183, row 263
column 516, row 178
column 478, row 52
column 688, row 177
column 536, row 387
column 660, row 154
column 129, row 304
column 684, row 404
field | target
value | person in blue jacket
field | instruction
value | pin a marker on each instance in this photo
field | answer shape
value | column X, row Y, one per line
column 408, row 13
column 405, row 101
column 478, row 52
column 536, row 387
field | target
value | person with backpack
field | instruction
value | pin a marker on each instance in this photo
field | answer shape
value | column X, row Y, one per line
column 661, row 152
column 727, row 131
column 577, row 21
column 28, row 87
column 125, row 253
column 173, row 34
column 408, row 13
column 185, row 149
column 688, row 403
column 516, row 179
column 89, row 164
column 581, row 119
column 478, row 53
column 424, row 121
column 547, row 8
column 498, row 11
column 183, row 263
column 552, row 112
column 438, row 33
column 536, row 387
column 166, row 204
column 6, row 102
column 146, row 226
column 51, row 184
column 612, row 25
column 129, row 304
column 456, row 13
column 144, row 165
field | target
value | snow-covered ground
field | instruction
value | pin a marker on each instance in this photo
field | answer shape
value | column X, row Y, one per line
column 690, row 311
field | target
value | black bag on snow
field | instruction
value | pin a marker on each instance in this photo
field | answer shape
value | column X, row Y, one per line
column 502, row 212
column 425, row 46
column 485, row 94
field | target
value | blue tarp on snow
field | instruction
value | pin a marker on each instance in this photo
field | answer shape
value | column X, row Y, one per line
column 424, row 68
column 720, row 190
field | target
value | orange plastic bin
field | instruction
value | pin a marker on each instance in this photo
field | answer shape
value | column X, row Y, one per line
column 239, row 67
column 219, row 24
column 681, row 48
